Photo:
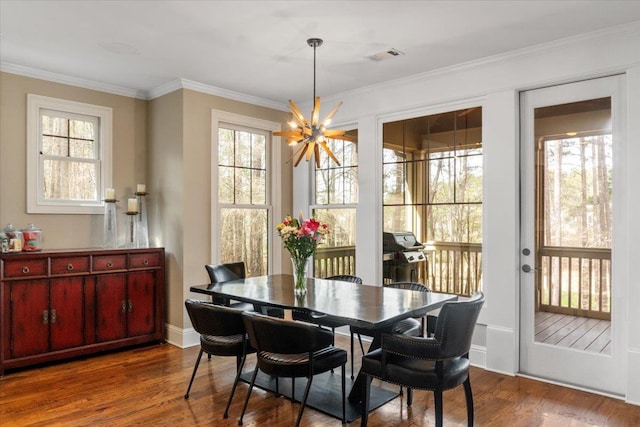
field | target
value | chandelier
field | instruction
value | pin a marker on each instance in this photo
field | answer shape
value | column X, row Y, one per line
column 310, row 137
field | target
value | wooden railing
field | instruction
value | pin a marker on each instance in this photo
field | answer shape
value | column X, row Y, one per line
column 451, row 267
column 454, row 268
column 574, row 281
column 332, row 261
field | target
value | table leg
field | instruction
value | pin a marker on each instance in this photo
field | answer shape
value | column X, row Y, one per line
column 357, row 391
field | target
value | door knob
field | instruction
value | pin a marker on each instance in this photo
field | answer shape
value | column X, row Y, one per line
column 528, row 269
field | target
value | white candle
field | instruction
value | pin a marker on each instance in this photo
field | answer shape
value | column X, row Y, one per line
column 142, row 188
column 132, row 205
column 109, row 194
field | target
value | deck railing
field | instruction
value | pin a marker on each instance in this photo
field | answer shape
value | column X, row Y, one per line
column 451, row 267
column 454, row 268
column 575, row 281
column 333, row 261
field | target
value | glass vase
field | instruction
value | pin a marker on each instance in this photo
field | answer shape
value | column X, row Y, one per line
column 300, row 275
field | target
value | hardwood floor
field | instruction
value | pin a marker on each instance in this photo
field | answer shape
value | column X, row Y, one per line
column 580, row 333
column 146, row 386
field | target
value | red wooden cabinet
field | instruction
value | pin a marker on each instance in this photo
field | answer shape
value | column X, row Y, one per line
column 61, row 304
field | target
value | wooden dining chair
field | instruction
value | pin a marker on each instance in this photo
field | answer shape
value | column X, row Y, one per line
column 436, row 363
column 291, row 349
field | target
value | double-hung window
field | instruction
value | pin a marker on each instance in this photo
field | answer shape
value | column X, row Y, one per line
column 69, row 156
column 336, row 197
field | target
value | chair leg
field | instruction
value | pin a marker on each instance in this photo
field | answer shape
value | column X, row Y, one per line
column 364, row 416
column 437, row 397
column 304, row 400
column 360, row 341
column 409, row 396
column 246, row 400
column 469, row 396
column 235, row 384
column 193, row 375
column 344, row 404
column 351, row 355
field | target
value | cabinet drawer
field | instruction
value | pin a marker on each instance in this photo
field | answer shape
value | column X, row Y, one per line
column 70, row 265
column 109, row 262
column 144, row 260
column 25, row 268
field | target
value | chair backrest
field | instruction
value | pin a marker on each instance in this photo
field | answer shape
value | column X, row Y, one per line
column 275, row 335
column 345, row 278
column 217, row 320
column 412, row 286
column 455, row 325
column 219, row 273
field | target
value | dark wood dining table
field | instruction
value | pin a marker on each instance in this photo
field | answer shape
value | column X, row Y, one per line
column 375, row 307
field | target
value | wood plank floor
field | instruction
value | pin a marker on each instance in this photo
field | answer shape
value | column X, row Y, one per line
column 581, row 333
column 145, row 387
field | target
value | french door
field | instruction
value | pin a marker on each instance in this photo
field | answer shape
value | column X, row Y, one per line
column 572, row 326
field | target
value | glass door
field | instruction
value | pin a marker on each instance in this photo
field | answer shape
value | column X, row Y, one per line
column 569, row 324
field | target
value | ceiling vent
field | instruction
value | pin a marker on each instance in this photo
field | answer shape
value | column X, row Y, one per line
column 387, row 54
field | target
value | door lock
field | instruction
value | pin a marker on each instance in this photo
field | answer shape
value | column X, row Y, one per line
column 528, row 269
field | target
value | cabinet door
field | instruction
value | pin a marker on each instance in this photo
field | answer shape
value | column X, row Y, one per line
column 29, row 318
column 66, row 313
column 111, row 307
column 141, row 303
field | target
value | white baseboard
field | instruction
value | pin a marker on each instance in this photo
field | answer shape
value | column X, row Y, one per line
column 182, row 338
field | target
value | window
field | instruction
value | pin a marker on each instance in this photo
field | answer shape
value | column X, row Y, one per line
column 69, row 156
column 432, row 186
column 243, row 197
column 336, row 194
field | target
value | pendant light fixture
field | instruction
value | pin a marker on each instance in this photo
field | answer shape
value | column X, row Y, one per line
column 310, row 137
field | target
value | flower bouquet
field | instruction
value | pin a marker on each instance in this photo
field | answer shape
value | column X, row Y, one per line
column 301, row 238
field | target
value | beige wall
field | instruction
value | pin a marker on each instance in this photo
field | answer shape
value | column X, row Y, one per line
column 129, row 159
column 185, row 184
column 164, row 143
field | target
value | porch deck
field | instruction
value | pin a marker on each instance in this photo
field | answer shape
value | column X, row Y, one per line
column 580, row 333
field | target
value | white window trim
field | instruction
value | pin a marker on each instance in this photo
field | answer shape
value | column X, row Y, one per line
column 274, row 199
column 35, row 204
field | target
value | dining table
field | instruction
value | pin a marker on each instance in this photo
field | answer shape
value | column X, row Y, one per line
column 378, row 308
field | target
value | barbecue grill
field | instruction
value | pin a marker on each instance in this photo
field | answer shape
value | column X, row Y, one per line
column 402, row 255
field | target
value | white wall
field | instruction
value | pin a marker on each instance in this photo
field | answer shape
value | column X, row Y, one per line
column 495, row 83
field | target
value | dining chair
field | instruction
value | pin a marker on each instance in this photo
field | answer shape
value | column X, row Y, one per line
column 327, row 321
column 291, row 349
column 220, row 273
column 222, row 333
column 428, row 321
column 436, row 363
column 409, row 327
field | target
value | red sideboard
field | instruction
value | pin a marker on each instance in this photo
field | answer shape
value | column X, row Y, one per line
column 61, row 304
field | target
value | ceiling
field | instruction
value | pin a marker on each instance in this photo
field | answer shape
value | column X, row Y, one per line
column 259, row 48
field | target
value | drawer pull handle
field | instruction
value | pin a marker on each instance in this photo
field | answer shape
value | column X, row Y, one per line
column 53, row 315
column 145, row 262
column 109, row 264
column 25, row 269
column 123, row 306
column 69, row 267
column 45, row 317
column 130, row 306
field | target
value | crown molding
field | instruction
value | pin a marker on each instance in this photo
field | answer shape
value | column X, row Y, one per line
column 625, row 29
column 213, row 90
column 70, row 80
